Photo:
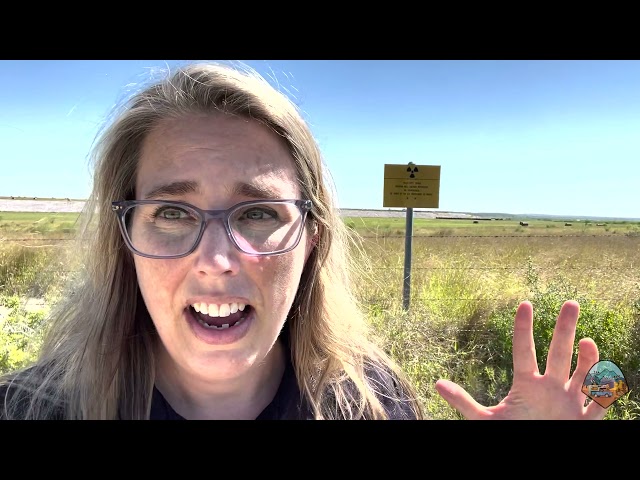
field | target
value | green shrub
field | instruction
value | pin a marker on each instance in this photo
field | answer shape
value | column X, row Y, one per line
column 614, row 330
column 30, row 272
column 20, row 335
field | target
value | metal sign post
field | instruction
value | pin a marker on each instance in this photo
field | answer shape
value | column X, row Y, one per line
column 408, row 238
column 411, row 186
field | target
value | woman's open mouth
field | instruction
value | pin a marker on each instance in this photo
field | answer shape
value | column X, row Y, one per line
column 220, row 316
column 220, row 324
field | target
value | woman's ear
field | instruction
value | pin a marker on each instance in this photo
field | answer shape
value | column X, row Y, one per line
column 313, row 239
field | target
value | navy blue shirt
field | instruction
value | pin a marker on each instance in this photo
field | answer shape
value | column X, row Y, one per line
column 288, row 403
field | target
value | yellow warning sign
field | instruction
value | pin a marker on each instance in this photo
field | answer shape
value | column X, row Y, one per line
column 411, row 186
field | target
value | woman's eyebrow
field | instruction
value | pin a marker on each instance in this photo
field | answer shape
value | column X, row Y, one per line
column 174, row 189
column 255, row 190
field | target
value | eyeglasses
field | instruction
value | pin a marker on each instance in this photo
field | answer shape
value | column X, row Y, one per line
column 170, row 229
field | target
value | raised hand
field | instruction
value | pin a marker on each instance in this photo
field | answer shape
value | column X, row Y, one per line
column 553, row 395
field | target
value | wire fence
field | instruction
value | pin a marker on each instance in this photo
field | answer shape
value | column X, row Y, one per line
column 394, row 273
column 387, row 294
column 433, row 236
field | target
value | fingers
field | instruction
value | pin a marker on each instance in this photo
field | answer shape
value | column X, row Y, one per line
column 459, row 399
column 561, row 347
column 587, row 357
column 524, row 349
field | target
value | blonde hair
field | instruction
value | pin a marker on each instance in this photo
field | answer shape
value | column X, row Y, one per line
column 97, row 359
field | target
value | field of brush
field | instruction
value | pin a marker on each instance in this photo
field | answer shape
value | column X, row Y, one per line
column 466, row 280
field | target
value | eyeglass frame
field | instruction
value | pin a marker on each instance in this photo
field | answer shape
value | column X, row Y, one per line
column 121, row 207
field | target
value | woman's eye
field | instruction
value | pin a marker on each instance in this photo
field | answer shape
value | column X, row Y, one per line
column 171, row 214
column 259, row 214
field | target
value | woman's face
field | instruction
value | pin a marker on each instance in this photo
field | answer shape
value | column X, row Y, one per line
column 215, row 162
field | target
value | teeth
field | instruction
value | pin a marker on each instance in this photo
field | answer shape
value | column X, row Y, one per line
column 222, row 310
column 224, row 326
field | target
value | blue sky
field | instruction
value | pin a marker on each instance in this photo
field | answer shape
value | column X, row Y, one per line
column 523, row 136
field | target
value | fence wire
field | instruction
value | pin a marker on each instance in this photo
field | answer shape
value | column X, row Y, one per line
column 31, row 242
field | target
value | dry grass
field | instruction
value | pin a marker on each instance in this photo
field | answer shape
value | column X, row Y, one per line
column 605, row 267
column 462, row 278
column 460, row 282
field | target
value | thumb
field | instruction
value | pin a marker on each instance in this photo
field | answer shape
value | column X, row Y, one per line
column 459, row 398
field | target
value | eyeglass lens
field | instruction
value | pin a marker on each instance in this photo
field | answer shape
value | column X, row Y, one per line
column 167, row 229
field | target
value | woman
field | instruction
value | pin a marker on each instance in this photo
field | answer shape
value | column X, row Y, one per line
column 217, row 280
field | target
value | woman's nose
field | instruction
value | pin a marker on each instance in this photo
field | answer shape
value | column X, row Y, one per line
column 216, row 252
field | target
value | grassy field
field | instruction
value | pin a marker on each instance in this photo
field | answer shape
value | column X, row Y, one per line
column 377, row 227
column 36, row 225
column 466, row 281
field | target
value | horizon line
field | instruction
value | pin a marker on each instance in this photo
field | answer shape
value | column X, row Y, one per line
column 386, row 209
